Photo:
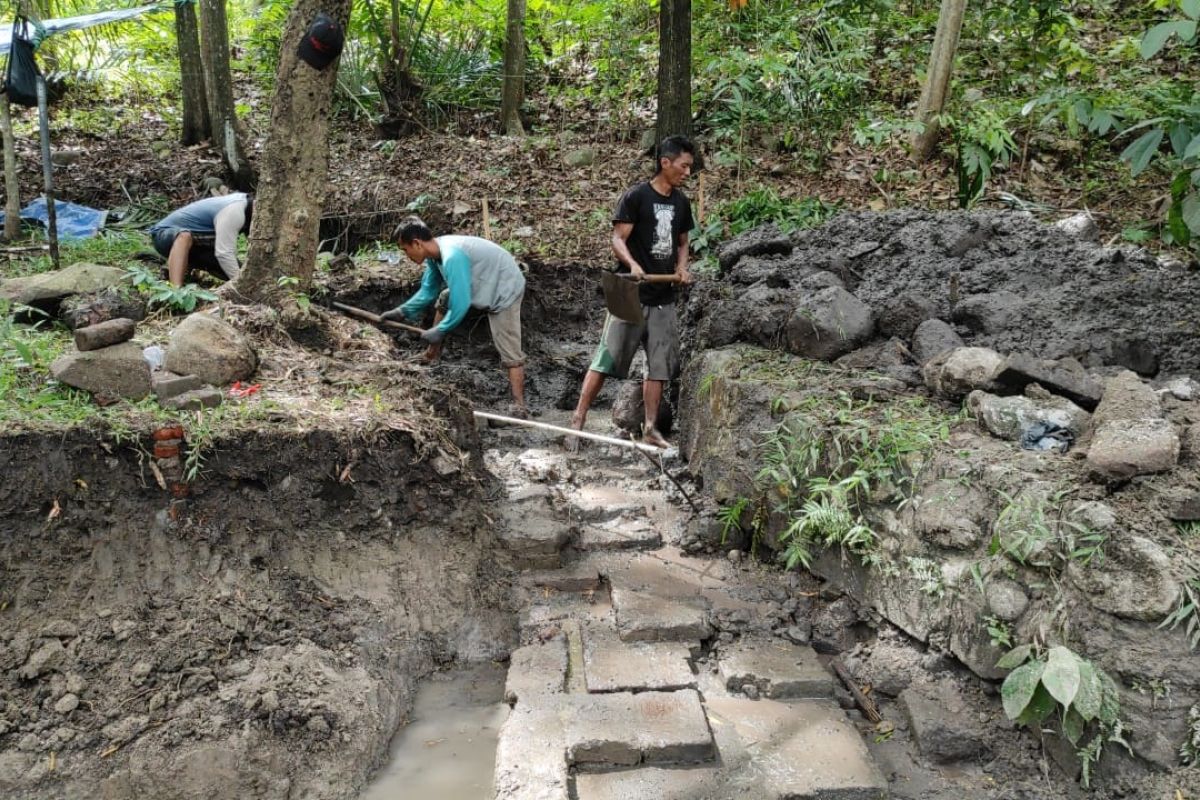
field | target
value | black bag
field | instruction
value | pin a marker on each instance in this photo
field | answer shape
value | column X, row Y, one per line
column 20, row 81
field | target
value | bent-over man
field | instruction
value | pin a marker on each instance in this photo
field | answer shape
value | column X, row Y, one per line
column 203, row 235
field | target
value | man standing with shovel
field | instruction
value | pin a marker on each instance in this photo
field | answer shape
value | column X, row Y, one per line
column 650, row 241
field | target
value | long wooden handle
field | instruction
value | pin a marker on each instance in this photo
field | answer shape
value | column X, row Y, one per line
column 649, row 278
column 378, row 320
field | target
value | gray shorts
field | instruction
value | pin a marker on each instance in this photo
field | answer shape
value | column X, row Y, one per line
column 505, row 326
column 620, row 340
column 203, row 254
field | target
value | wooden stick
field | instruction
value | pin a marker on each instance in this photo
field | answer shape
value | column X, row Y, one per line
column 378, row 320
column 595, row 437
column 650, row 278
column 865, row 703
column 487, row 222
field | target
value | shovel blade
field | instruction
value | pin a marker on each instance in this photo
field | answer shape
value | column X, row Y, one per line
column 621, row 298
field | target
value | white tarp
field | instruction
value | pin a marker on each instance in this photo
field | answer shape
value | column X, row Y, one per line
column 79, row 23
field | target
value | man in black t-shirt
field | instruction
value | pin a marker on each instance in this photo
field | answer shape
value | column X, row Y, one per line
column 650, row 236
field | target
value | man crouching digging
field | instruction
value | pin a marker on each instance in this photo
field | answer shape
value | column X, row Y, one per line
column 471, row 272
column 650, row 236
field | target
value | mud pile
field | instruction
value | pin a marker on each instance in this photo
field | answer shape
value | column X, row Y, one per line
column 1004, row 280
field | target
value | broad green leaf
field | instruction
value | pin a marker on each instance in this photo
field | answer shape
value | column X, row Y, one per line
column 1018, row 688
column 1110, row 699
column 1191, row 212
column 1015, row 657
column 1191, row 8
column 1181, row 137
column 1156, row 38
column 1103, row 122
column 1040, row 706
column 1073, row 725
column 1180, row 233
column 1142, row 150
column 1087, row 700
column 1193, row 148
column 1061, row 676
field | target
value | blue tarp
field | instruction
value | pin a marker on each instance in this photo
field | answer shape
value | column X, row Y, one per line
column 74, row 221
column 79, row 23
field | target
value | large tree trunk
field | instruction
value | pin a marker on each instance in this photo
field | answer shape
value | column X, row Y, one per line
column 196, row 127
column 941, row 62
column 674, row 68
column 513, row 93
column 12, row 189
column 295, row 160
column 227, row 131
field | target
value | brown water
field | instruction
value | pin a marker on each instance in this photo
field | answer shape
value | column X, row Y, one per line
column 447, row 751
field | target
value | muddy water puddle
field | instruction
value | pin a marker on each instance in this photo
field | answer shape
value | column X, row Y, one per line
column 447, row 751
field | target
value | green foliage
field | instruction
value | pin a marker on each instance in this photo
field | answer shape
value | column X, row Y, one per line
column 756, row 207
column 1035, row 528
column 982, row 142
column 999, row 631
column 161, row 294
column 825, row 460
column 928, row 575
column 1187, row 612
column 27, row 393
column 730, row 517
column 1085, row 697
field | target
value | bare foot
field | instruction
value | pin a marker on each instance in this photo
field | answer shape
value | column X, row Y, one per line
column 651, row 436
column 430, row 356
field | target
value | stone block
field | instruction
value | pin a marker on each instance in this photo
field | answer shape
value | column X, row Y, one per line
column 803, row 749
column 117, row 371
column 956, row 373
column 531, row 759
column 103, row 334
column 827, row 324
column 1134, row 580
column 1010, row 417
column 1182, row 504
column 624, row 729
column 611, row 665
column 168, row 384
column 645, row 617
column 537, row 671
column 932, row 338
column 1122, row 450
column 1127, row 398
column 697, row 783
column 777, row 669
column 1066, row 378
column 941, row 727
column 211, row 349
column 206, row 397
column 618, row 534
column 767, row 240
column 573, row 578
column 990, row 312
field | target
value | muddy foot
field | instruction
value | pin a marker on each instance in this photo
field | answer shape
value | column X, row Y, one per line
column 651, row 436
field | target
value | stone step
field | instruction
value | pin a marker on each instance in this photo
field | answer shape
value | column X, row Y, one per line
column 643, row 617
column 576, row 577
column 531, row 762
column 694, row 783
column 801, row 750
column 621, row 533
column 537, row 671
column 611, row 665
column 778, row 669
column 551, row 611
column 624, row 729
column 531, row 534
column 598, row 503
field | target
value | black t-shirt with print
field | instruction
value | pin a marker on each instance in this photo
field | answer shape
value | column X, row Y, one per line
column 654, row 242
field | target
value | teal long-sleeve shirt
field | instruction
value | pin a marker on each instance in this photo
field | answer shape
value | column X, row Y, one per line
column 477, row 272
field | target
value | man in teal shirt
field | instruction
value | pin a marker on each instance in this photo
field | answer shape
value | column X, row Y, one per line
column 471, row 272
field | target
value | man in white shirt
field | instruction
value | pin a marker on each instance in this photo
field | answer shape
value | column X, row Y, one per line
column 203, row 235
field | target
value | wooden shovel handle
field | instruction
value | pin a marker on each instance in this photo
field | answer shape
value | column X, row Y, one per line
column 378, row 320
column 649, row 278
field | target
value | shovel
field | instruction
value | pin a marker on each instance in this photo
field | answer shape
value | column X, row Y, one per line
column 378, row 320
column 621, row 294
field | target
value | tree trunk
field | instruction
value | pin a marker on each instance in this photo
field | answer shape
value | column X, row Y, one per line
column 12, row 189
column 674, row 68
column 513, row 93
column 295, row 160
column 941, row 61
column 227, row 131
column 196, row 126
